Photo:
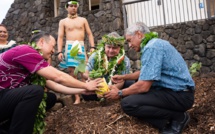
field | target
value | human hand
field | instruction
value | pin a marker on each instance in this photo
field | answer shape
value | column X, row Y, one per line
column 117, row 79
column 93, row 85
column 92, row 49
column 60, row 56
column 113, row 93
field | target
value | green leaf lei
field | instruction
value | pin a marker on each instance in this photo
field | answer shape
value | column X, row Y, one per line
column 39, row 124
column 104, row 67
column 148, row 37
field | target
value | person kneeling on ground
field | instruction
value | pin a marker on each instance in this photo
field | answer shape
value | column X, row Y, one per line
column 19, row 99
column 110, row 51
column 165, row 88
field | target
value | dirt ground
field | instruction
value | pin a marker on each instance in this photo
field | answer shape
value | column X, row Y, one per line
column 108, row 118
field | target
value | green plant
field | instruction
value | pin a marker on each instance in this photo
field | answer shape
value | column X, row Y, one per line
column 194, row 68
column 39, row 124
column 73, row 53
column 147, row 38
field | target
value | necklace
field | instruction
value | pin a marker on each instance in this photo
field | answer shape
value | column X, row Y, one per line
column 103, row 66
column 148, row 37
column 72, row 16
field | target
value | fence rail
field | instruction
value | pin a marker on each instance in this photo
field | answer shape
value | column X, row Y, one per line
column 164, row 12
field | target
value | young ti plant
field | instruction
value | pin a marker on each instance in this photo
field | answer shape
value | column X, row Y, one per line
column 73, row 53
column 194, row 68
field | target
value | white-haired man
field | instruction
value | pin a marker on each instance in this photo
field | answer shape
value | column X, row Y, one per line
column 164, row 90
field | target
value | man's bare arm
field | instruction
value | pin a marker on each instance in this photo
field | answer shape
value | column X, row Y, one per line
column 60, row 36
column 89, row 33
column 63, row 89
column 138, row 87
column 119, row 85
column 120, row 78
column 51, row 73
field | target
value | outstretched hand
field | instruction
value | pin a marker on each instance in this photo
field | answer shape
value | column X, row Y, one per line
column 60, row 57
column 113, row 93
column 117, row 79
column 94, row 85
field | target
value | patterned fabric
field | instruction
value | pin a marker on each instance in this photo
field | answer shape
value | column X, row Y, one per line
column 91, row 61
column 10, row 45
column 70, row 61
column 162, row 63
column 17, row 64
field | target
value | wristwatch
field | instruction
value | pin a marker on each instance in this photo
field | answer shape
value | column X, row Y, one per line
column 120, row 93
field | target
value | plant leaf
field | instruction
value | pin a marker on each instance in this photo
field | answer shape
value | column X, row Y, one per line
column 74, row 50
column 76, row 71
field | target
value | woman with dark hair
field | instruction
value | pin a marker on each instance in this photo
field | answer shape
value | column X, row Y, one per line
column 19, row 98
column 4, row 44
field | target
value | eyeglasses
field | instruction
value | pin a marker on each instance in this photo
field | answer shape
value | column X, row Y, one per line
column 73, row 5
column 3, row 31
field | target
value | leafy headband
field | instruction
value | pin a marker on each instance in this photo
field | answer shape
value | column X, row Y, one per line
column 35, row 31
column 71, row 2
column 116, row 41
column 102, row 66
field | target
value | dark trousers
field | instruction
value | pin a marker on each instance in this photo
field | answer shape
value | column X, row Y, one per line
column 20, row 106
column 128, row 83
column 157, row 107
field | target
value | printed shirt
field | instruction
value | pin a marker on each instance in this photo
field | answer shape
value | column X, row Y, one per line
column 163, row 64
column 17, row 64
column 91, row 62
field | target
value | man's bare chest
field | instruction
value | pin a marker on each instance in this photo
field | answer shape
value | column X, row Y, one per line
column 74, row 26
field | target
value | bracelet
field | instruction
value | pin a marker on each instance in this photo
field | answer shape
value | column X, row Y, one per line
column 58, row 53
column 93, row 47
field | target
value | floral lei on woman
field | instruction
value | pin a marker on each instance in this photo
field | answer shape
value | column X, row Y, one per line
column 104, row 67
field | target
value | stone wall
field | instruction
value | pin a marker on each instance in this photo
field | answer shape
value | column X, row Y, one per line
column 26, row 15
column 194, row 40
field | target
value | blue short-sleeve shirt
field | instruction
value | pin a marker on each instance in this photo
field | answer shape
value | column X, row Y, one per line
column 163, row 64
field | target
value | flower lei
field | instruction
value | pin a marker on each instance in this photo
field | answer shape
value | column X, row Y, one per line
column 39, row 124
column 103, row 67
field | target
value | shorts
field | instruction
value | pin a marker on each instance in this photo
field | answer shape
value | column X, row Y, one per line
column 70, row 61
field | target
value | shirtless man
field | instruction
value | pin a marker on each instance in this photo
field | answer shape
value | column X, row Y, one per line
column 73, row 27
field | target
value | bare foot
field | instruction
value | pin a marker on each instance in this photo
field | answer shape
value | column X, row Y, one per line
column 77, row 99
column 77, row 102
